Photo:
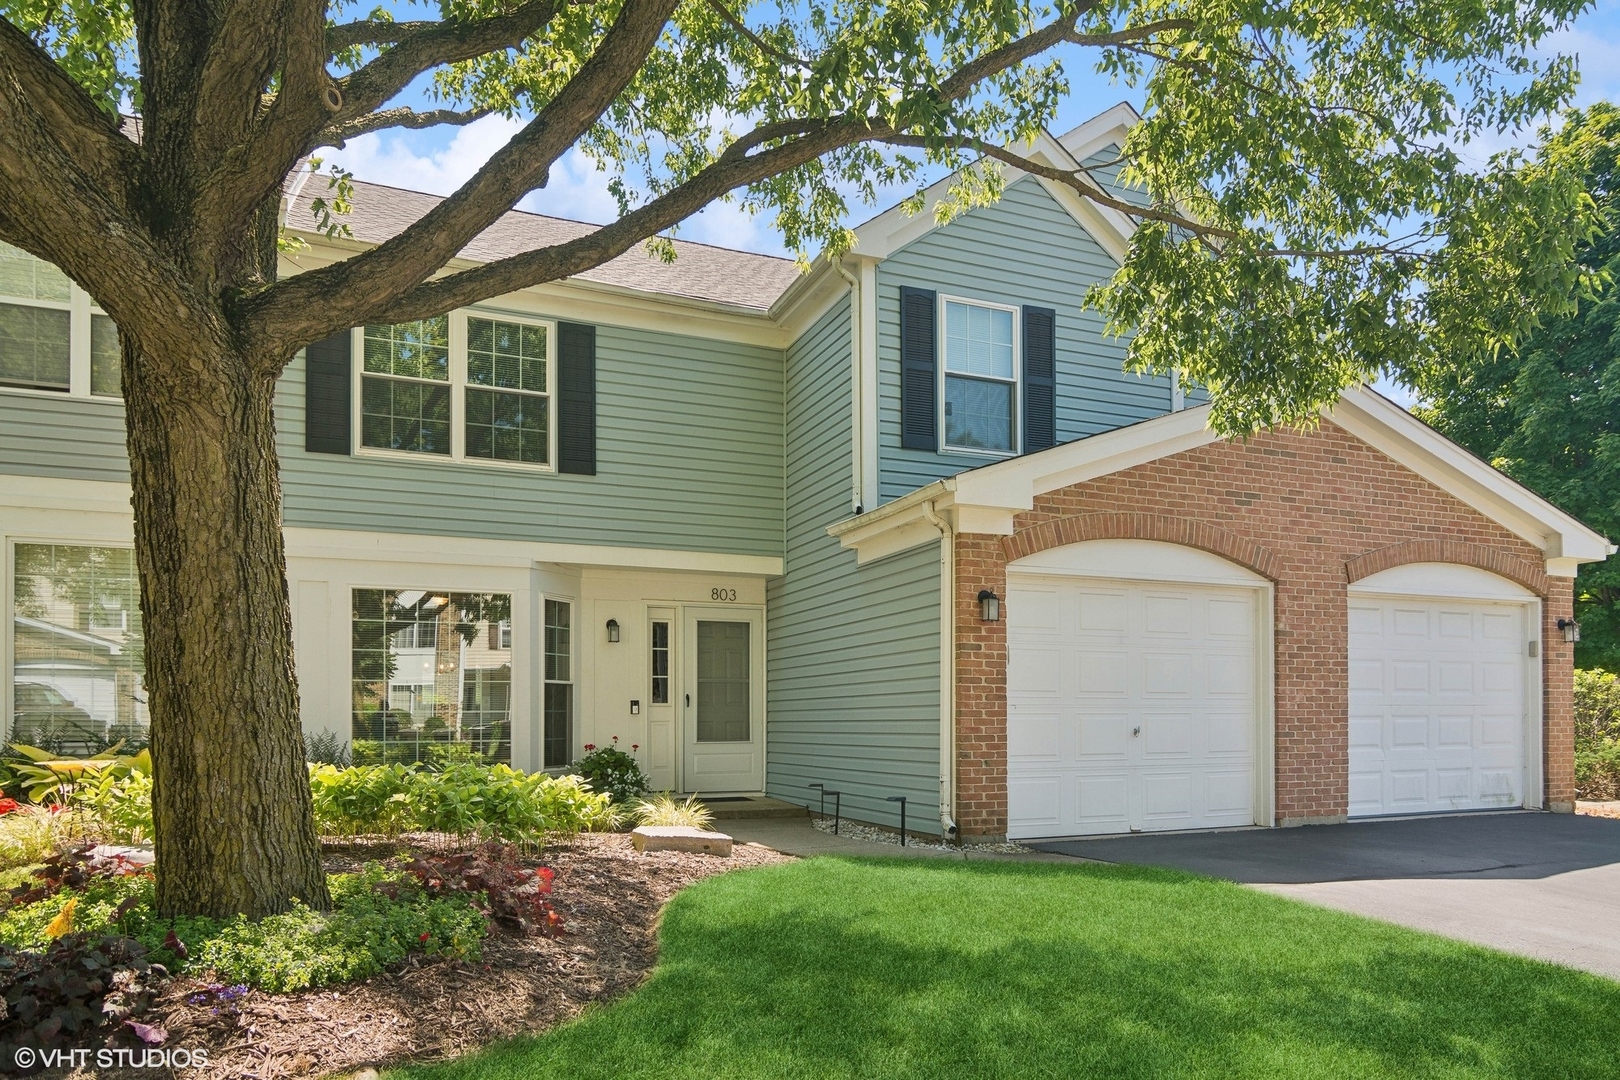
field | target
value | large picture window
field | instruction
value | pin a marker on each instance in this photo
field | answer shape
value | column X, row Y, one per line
column 77, row 663
column 467, row 386
column 981, row 377
column 51, row 336
column 431, row 683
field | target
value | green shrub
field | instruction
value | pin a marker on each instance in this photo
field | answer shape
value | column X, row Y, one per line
column 612, row 770
column 378, row 918
column 666, row 809
column 469, row 800
column 33, row 834
column 1597, row 735
column 119, row 806
column 326, row 747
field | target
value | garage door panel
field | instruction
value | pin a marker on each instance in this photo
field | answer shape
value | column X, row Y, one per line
column 1166, row 674
column 1034, row 738
column 1103, row 803
column 1157, row 701
column 1104, row 736
column 1040, row 612
column 1441, row 725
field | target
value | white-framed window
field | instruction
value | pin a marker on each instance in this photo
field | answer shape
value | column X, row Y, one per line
column 53, row 339
column 978, row 398
column 557, row 703
column 470, row 386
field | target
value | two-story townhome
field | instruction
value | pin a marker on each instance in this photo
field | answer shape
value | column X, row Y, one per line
column 899, row 526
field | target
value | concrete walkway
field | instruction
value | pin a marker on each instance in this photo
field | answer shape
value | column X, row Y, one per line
column 796, row 836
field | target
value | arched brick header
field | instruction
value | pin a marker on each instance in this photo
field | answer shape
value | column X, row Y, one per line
column 1188, row 532
column 1481, row 556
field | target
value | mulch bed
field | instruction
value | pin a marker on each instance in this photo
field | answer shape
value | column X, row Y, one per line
column 610, row 895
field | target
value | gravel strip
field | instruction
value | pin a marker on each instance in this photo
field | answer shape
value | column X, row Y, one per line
column 871, row 835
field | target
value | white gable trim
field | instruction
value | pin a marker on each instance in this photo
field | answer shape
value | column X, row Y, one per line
column 888, row 232
column 985, row 500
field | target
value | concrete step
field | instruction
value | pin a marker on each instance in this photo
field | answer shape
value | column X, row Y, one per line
column 752, row 807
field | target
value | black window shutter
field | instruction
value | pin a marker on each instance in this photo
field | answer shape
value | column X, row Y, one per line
column 576, row 398
column 1040, row 378
column 919, row 364
column 326, row 395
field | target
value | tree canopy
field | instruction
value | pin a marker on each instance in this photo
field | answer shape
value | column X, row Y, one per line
column 1548, row 414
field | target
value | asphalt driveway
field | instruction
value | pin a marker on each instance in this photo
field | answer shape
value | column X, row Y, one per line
column 1542, row 885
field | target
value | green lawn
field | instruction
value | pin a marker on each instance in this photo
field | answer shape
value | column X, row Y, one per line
column 896, row 968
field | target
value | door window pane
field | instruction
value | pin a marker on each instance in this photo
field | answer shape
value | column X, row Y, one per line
column 34, row 347
column 660, row 663
column 979, row 414
column 78, row 661
column 106, row 376
column 723, row 691
column 427, row 685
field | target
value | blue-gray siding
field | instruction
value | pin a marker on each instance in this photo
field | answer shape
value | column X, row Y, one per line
column 62, row 437
column 689, row 455
column 854, row 657
column 1024, row 249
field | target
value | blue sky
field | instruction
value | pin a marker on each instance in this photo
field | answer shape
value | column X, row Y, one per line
column 439, row 160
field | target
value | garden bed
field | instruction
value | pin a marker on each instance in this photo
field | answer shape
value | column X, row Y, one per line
column 610, row 896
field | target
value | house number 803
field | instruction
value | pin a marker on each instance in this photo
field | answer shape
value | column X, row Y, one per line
column 722, row 594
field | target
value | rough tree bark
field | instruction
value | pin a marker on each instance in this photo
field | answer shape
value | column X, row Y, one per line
column 227, row 744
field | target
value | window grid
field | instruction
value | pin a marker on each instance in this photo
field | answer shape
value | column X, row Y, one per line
column 979, row 401
column 660, row 663
column 53, row 340
column 464, row 387
column 558, row 696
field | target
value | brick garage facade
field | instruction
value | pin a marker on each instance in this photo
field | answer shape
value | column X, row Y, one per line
column 1311, row 511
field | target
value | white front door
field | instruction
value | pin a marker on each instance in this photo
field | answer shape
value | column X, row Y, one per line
column 1130, row 706
column 1437, row 705
column 723, row 700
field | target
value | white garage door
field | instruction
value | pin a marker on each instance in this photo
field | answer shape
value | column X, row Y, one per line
column 1437, row 705
column 1129, row 706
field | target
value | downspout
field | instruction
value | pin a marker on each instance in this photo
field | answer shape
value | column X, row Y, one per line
column 857, row 502
column 947, row 673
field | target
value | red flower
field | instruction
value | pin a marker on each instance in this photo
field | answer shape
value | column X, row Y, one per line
column 546, row 874
column 7, row 805
column 590, row 746
column 635, row 746
column 425, row 936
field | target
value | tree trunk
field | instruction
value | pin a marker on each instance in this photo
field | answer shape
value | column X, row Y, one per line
column 231, row 803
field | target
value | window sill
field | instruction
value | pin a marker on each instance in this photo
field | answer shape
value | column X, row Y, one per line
column 962, row 451
column 61, row 395
column 446, row 460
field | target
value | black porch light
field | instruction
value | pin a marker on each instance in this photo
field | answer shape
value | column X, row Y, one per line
column 989, row 606
column 613, row 631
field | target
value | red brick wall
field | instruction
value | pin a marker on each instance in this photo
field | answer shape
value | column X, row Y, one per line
column 1311, row 511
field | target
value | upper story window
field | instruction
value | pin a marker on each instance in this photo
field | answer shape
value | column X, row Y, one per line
column 52, row 338
column 979, row 397
column 463, row 386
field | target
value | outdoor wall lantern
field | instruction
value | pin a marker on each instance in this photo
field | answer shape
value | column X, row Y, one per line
column 1571, row 629
column 989, row 606
column 613, row 631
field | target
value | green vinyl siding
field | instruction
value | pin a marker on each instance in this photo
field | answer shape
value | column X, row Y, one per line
column 1024, row 249
column 62, row 437
column 689, row 456
column 853, row 676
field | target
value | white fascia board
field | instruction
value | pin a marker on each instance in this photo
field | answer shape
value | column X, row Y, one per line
column 888, row 232
column 589, row 301
column 1382, row 424
column 1107, row 128
column 808, row 299
column 412, row 547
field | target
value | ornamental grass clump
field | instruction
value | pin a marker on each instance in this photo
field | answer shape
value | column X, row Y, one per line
column 666, row 810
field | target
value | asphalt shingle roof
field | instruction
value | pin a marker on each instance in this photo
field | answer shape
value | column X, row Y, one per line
column 699, row 272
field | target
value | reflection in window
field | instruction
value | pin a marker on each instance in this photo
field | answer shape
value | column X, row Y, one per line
column 558, row 706
column 405, row 391
column 78, row 662
column 980, row 378
column 428, row 686
column 106, row 374
column 723, row 695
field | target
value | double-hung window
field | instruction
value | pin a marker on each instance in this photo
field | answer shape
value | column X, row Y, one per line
column 52, row 338
column 467, row 386
column 979, row 398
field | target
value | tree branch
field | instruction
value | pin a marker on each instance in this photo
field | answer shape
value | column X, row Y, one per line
column 336, row 134
column 373, row 32
column 1131, row 34
column 758, row 42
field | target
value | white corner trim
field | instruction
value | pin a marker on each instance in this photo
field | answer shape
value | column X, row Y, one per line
column 1387, row 427
column 1567, row 568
